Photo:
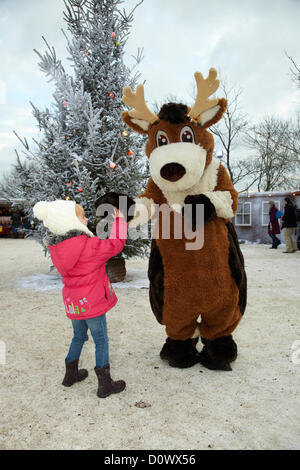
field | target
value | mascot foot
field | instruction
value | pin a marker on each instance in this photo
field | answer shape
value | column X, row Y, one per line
column 179, row 353
column 219, row 353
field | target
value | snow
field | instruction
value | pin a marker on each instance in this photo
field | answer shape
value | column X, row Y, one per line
column 40, row 282
column 255, row 406
column 135, row 279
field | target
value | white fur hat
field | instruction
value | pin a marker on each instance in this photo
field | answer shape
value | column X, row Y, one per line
column 59, row 216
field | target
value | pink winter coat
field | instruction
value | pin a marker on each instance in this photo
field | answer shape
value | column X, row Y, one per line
column 87, row 291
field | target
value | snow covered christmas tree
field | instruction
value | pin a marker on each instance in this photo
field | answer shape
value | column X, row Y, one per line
column 85, row 150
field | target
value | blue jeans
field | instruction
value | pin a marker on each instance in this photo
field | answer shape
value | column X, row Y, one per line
column 98, row 329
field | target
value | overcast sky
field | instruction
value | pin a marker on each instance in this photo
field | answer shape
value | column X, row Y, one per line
column 244, row 40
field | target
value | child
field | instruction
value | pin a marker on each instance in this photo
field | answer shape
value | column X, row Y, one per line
column 80, row 258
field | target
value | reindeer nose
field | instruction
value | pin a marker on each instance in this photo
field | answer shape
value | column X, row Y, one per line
column 172, row 172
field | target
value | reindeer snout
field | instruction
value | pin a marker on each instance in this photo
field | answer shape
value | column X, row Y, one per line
column 172, row 172
column 177, row 166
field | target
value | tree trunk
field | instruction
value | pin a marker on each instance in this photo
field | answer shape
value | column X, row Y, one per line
column 116, row 269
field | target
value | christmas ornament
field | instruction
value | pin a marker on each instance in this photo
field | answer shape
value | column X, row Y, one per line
column 117, row 43
column 112, row 95
column 125, row 133
column 113, row 35
column 80, row 190
column 130, row 152
column 86, row 52
column 46, row 147
column 68, row 184
column 67, row 198
column 65, row 103
column 112, row 165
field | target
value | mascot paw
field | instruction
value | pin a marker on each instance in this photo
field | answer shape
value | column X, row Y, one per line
column 120, row 201
column 219, row 353
column 209, row 209
column 180, row 354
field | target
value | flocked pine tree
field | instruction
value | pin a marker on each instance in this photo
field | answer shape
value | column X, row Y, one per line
column 85, row 150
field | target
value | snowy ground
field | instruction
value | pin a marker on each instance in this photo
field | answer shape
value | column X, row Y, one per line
column 256, row 406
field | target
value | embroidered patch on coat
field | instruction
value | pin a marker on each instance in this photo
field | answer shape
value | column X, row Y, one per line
column 76, row 308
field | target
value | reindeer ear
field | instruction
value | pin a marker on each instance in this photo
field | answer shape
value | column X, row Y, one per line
column 138, row 125
column 213, row 115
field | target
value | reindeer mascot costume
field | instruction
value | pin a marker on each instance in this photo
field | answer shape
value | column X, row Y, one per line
column 192, row 291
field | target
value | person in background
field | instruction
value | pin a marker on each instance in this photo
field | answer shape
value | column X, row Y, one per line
column 16, row 221
column 26, row 222
column 2, row 225
column 289, row 223
column 273, row 227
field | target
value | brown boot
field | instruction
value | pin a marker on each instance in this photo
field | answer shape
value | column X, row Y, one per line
column 73, row 374
column 106, row 386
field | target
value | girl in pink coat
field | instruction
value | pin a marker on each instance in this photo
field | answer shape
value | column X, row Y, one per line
column 80, row 258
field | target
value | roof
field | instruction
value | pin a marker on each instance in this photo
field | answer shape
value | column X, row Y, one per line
column 7, row 201
column 295, row 192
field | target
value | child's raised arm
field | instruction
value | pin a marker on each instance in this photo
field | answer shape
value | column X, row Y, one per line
column 110, row 247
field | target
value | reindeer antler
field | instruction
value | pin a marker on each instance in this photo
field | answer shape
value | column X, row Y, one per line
column 205, row 88
column 137, row 101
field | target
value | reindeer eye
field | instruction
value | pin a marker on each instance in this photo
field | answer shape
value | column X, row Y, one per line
column 161, row 138
column 187, row 135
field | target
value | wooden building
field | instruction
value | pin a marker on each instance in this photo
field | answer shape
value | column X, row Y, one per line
column 252, row 217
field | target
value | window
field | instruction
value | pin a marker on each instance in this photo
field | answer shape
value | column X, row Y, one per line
column 265, row 218
column 243, row 215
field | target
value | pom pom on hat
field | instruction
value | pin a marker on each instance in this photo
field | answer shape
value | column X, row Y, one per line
column 40, row 210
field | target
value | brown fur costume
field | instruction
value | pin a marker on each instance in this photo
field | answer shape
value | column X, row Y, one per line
column 188, row 284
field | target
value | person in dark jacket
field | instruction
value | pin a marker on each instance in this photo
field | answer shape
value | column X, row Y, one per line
column 289, row 222
column 273, row 227
column 16, row 222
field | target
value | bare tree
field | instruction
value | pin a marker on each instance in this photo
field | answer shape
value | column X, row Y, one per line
column 278, row 144
column 229, row 133
column 294, row 70
column 230, row 129
column 273, row 161
column 170, row 98
column 294, row 143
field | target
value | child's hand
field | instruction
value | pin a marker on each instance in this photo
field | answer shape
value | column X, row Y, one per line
column 118, row 213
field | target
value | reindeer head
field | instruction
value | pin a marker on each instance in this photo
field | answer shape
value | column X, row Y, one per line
column 179, row 146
